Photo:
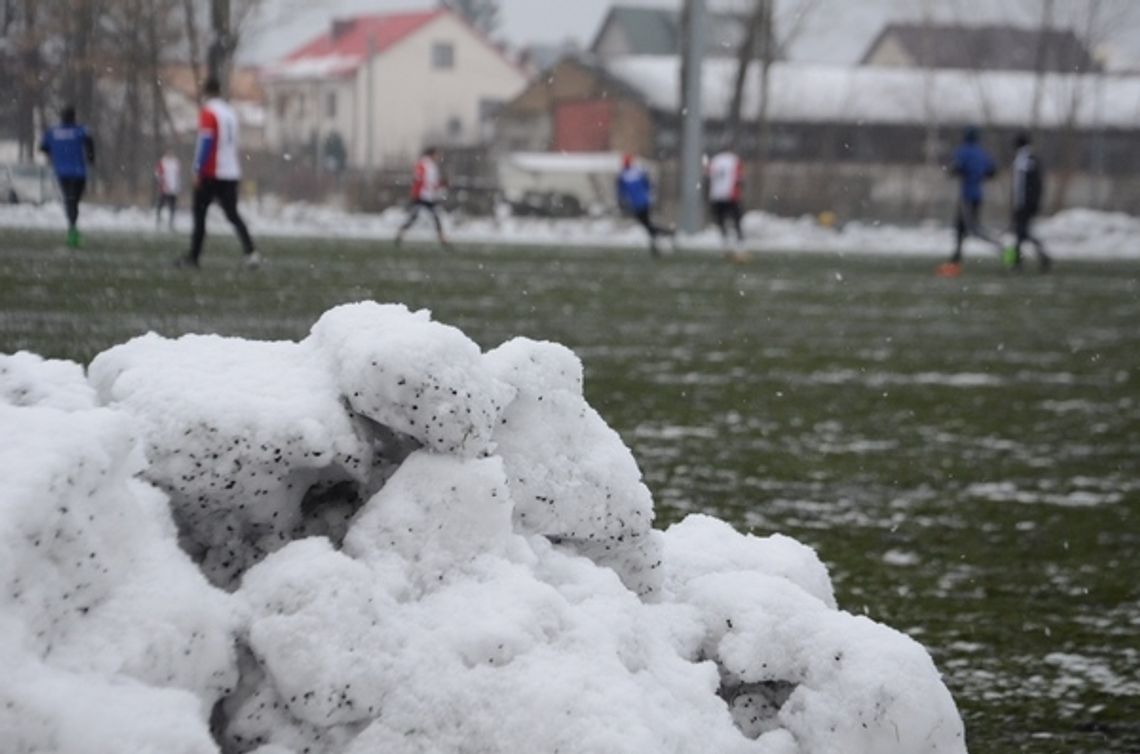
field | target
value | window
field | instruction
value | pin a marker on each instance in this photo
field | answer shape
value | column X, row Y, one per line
column 330, row 105
column 442, row 56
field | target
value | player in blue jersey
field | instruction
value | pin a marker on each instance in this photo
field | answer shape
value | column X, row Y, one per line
column 635, row 196
column 71, row 149
column 973, row 166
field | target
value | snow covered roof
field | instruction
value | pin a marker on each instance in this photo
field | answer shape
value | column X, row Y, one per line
column 988, row 47
column 816, row 93
column 341, row 50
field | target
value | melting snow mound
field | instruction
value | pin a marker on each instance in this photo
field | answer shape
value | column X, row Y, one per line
column 382, row 538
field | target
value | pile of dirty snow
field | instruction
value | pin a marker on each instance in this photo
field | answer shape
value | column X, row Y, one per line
column 383, row 538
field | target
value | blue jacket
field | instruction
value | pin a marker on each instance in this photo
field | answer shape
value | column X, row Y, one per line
column 70, row 148
column 974, row 166
column 634, row 193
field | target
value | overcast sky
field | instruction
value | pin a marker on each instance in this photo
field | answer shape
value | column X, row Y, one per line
column 837, row 31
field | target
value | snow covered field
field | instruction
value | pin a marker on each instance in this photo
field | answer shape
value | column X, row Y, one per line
column 382, row 538
column 1072, row 234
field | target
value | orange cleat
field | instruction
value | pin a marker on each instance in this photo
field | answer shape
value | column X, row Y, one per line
column 949, row 270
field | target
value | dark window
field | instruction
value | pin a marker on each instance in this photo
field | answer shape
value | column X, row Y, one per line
column 442, row 55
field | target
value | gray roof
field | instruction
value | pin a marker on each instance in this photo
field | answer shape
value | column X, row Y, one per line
column 657, row 31
column 989, row 48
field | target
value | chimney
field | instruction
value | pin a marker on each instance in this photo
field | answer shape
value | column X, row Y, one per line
column 342, row 26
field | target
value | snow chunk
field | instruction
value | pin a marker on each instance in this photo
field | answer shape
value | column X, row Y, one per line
column 239, row 434
column 790, row 661
column 702, row 545
column 101, row 611
column 30, row 380
column 572, row 478
column 415, row 376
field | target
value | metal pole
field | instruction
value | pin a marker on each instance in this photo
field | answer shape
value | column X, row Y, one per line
column 220, row 41
column 369, row 126
column 692, row 136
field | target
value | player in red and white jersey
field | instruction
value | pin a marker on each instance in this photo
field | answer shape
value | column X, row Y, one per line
column 168, row 180
column 726, row 188
column 427, row 189
column 217, row 173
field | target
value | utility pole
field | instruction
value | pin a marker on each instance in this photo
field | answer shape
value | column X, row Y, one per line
column 692, row 120
column 217, row 61
column 369, row 105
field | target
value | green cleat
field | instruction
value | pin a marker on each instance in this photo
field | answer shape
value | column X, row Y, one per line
column 1009, row 257
column 74, row 240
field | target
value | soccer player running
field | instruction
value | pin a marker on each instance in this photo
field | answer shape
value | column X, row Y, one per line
column 973, row 166
column 217, row 174
column 635, row 196
column 168, row 178
column 1028, row 189
column 71, row 149
column 427, row 190
column 726, row 187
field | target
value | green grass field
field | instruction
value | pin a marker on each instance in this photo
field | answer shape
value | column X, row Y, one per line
column 964, row 455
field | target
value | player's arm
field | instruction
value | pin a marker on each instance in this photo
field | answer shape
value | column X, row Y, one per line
column 1019, row 180
column 207, row 142
column 89, row 148
column 419, row 177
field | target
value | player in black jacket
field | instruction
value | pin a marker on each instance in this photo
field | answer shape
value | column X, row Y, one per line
column 1028, row 189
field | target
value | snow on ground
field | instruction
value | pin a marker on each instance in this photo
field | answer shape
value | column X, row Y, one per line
column 383, row 538
column 1072, row 234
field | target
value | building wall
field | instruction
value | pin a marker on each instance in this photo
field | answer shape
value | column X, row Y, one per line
column 414, row 103
column 890, row 53
column 632, row 128
column 298, row 111
column 612, row 43
column 528, row 122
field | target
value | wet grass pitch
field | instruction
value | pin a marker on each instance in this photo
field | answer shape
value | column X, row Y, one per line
column 963, row 454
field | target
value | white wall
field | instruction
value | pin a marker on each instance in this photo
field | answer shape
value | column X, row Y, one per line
column 413, row 102
column 306, row 111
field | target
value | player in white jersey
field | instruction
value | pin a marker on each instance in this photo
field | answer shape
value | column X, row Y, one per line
column 168, row 180
column 217, row 173
column 726, row 187
column 427, row 190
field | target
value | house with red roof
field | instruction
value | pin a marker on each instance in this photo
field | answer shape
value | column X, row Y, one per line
column 385, row 86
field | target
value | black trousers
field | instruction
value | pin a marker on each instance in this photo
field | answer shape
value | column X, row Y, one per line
column 226, row 194
column 167, row 202
column 725, row 211
column 72, row 190
column 414, row 212
column 969, row 223
column 1023, row 228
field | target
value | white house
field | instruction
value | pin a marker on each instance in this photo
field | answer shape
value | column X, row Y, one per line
column 387, row 85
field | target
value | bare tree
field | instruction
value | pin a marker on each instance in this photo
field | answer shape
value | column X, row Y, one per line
column 766, row 39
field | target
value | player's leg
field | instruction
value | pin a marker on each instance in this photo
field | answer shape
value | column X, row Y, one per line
column 738, row 221
column 409, row 221
column 960, row 231
column 977, row 230
column 720, row 217
column 228, row 199
column 1043, row 258
column 203, row 198
column 431, row 208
